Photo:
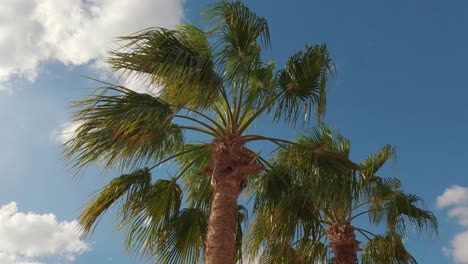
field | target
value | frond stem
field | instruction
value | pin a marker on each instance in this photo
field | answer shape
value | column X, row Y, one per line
column 212, row 129
column 175, row 156
column 256, row 114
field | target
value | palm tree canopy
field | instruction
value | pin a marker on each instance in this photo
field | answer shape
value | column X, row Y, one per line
column 297, row 200
column 214, row 82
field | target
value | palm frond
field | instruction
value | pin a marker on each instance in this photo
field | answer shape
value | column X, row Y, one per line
column 178, row 60
column 302, row 85
column 196, row 184
column 123, row 188
column 182, row 240
column 311, row 251
column 279, row 252
column 374, row 162
column 242, row 221
column 386, row 249
column 121, row 127
column 144, row 215
column 239, row 28
column 404, row 208
column 318, row 149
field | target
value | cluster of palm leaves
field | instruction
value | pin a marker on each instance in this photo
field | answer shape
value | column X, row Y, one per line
column 304, row 211
column 213, row 85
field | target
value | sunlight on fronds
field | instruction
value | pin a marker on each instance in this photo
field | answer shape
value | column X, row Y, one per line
column 121, row 127
column 178, row 60
column 123, row 188
column 317, row 149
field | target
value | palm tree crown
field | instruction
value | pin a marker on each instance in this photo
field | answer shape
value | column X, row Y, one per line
column 302, row 210
column 212, row 82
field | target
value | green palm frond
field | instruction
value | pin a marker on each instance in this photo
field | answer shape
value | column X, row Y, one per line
column 302, row 85
column 403, row 209
column 386, row 249
column 295, row 200
column 242, row 221
column 182, row 240
column 269, row 186
column 196, row 184
column 144, row 216
column 123, row 188
column 178, row 60
column 279, row 252
column 261, row 90
column 282, row 223
column 374, row 162
column 121, row 127
column 319, row 150
column 311, row 251
column 239, row 28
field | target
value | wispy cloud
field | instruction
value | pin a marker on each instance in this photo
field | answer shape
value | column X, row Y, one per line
column 73, row 32
column 456, row 198
column 455, row 195
column 65, row 132
column 25, row 238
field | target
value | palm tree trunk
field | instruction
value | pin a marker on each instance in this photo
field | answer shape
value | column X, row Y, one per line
column 343, row 243
column 231, row 163
column 221, row 238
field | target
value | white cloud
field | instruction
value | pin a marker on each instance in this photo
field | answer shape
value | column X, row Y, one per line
column 460, row 246
column 461, row 214
column 25, row 238
column 456, row 197
column 65, row 132
column 73, row 32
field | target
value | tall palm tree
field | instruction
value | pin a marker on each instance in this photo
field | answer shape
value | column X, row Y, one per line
column 211, row 82
column 301, row 210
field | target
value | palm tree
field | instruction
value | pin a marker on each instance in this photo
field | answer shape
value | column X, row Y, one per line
column 210, row 82
column 301, row 209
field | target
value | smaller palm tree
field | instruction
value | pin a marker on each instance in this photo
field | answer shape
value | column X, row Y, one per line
column 302, row 210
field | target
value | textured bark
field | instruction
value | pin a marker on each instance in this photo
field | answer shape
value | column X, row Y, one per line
column 231, row 163
column 221, row 238
column 343, row 243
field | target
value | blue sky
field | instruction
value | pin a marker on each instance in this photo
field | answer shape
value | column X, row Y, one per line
column 401, row 77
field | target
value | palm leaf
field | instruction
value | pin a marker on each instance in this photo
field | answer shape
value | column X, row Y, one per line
column 402, row 209
column 318, row 150
column 239, row 28
column 148, row 213
column 386, row 249
column 196, row 184
column 279, row 252
column 182, row 240
column 178, row 60
column 311, row 251
column 302, row 85
column 120, row 126
column 374, row 162
column 122, row 188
